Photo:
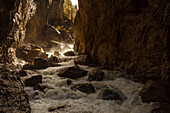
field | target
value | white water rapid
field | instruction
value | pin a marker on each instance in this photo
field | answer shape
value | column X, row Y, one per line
column 59, row 93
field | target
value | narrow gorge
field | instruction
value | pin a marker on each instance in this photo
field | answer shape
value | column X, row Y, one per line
column 85, row 56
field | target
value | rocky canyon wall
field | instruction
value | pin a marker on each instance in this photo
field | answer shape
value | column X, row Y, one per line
column 131, row 35
column 41, row 28
column 14, row 15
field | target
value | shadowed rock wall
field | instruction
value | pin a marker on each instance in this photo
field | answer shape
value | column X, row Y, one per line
column 130, row 35
column 14, row 16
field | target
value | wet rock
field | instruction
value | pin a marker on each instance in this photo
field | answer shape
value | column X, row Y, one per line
column 53, row 59
column 23, row 73
column 40, row 63
column 96, row 75
column 56, row 53
column 81, row 59
column 28, row 67
column 61, row 107
column 69, row 53
column 39, row 87
column 161, row 108
column 69, row 82
column 73, row 73
column 85, row 88
column 43, row 56
column 33, row 81
column 154, row 91
column 111, row 94
column 28, row 52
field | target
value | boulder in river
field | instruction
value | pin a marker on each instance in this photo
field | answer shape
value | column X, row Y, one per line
column 73, row 73
column 40, row 63
column 96, row 75
column 56, row 53
column 85, row 88
column 69, row 53
column 33, row 81
column 53, row 59
column 111, row 94
column 23, row 73
column 28, row 67
column 161, row 108
column 154, row 91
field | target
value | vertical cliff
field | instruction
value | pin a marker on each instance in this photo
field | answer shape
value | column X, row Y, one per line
column 126, row 34
column 14, row 15
column 41, row 28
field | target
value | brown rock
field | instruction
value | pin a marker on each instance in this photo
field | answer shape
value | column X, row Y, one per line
column 161, row 108
column 53, row 59
column 69, row 53
column 124, row 34
column 96, row 75
column 33, row 81
column 40, row 63
column 73, row 73
column 23, row 73
column 56, row 53
column 154, row 91
column 85, row 88
column 13, row 98
column 28, row 67
column 111, row 94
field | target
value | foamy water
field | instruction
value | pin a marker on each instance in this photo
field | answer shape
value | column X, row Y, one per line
column 59, row 93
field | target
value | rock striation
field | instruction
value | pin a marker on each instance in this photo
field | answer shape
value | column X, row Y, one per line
column 13, row 98
column 126, row 34
column 14, row 16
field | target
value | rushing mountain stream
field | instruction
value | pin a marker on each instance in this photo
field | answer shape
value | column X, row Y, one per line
column 61, row 98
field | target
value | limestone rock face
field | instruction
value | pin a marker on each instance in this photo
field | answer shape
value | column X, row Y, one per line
column 13, row 98
column 127, row 34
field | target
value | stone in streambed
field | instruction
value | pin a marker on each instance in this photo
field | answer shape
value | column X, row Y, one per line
column 69, row 82
column 56, row 53
column 33, row 81
column 161, row 108
column 154, row 91
column 111, row 94
column 96, row 75
column 69, row 53
column 85, row 88
column 53, row 59
column 73, row 73
column 23, row 73
column 28, row 67
column 61, row 107
column 40, row 63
